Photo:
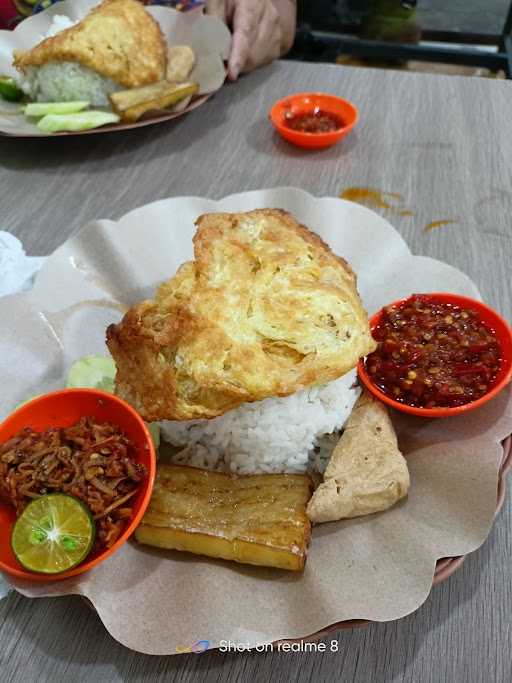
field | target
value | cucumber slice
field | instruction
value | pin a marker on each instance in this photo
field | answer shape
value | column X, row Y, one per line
column 85, row 120
column 97, row 372
column 154, row 430
column 37, row 109
column 53, row 534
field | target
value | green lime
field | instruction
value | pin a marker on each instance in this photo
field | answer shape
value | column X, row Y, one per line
column 53, row 534
column 9, row 90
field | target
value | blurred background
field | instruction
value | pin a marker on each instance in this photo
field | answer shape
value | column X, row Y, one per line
column 463, row 37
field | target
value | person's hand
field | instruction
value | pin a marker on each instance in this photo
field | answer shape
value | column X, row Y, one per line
column 261, row 33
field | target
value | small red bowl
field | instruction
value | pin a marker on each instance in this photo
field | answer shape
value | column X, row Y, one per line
column 503, row 333
column 306, row 102
column 63, row 409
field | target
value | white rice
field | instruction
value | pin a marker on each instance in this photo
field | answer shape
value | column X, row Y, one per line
column 274, row 435
column 59, row 23
column 66, row 81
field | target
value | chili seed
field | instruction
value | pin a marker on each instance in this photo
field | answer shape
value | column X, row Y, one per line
column 454, row 355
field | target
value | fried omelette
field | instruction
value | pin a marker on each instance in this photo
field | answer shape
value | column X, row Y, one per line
column 117, row 39
column 265, row 309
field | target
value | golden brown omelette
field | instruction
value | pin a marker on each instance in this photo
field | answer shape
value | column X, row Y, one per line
column 118, row 39
column 265, row 309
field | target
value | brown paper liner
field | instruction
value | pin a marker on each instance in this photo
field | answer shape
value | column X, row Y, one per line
column 383, row 566
column 445, row 567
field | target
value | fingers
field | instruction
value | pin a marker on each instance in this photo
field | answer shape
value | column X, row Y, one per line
column 246, row 17
column 267, row 47
column 217, row 8
column 266, row 43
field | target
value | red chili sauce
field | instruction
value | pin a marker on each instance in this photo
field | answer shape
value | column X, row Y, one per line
column 433, row 354
column 315, row 121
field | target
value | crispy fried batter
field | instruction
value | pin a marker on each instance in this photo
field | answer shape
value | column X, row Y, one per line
column 118, row 39
column 265, row 309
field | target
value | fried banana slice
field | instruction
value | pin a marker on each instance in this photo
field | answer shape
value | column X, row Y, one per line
column 256, row 519
column 130, row 105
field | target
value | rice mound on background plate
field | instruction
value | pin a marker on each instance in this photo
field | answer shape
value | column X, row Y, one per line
column 290, row 434
column 67, row 81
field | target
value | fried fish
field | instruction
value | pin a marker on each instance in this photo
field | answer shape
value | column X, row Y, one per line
column 265, row 309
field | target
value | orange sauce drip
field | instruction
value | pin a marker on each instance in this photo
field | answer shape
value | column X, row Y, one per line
column 376, row 199
column 439, row 224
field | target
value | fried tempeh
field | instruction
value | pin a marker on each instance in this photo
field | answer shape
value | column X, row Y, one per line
column 253, row 519
column 367, row 472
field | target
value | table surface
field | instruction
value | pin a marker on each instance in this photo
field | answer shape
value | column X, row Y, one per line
column 442, row 142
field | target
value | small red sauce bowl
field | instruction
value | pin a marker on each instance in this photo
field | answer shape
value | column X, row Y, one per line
column 306, row 102
column 63, row 409
column 502, row 331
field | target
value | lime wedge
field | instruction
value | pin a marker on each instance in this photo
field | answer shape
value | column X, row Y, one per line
column 9, row 90
column 53, row 534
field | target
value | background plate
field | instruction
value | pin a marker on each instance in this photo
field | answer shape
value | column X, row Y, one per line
column 207, row 35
